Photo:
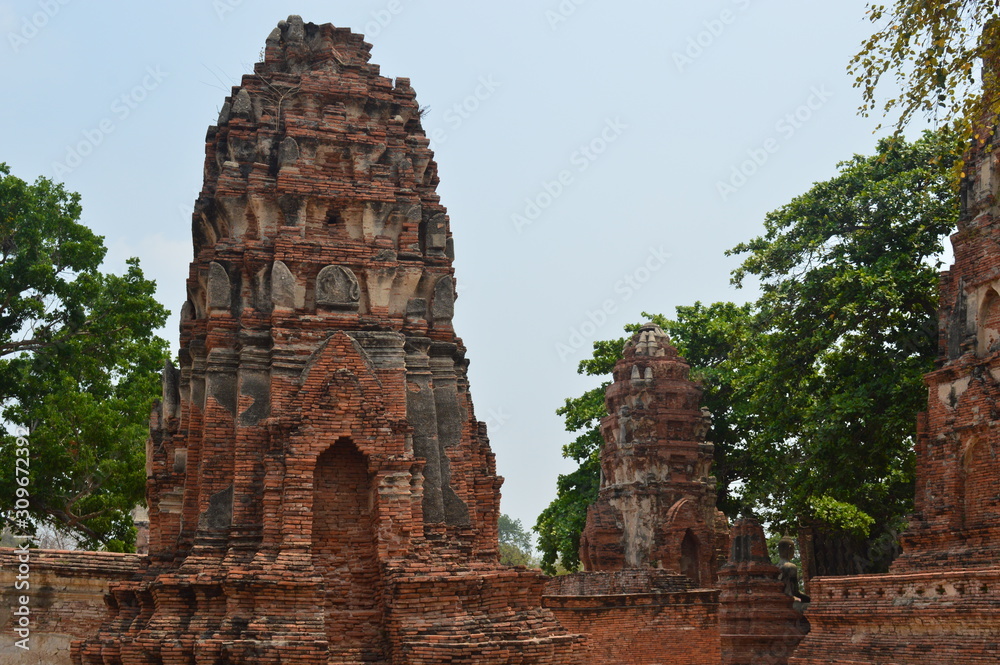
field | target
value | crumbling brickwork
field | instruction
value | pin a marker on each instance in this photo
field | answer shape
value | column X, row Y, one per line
column 656, row 507
column 654, row 539
column 758, row 624
column 65, row 593
column 319, row 488
column 941, row 600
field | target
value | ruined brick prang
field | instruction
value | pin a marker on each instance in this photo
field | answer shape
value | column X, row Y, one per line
column 319, row 488
column 656, row 507
column 941, row 600
column 758, row 624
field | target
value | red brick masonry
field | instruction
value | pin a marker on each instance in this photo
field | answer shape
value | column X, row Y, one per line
column 320, row 490
column 65, row 592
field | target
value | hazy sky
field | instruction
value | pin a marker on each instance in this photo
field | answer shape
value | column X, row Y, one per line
column 590, row 154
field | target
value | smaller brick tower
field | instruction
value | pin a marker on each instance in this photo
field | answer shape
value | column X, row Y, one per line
column 656, row 507
column 757, row 620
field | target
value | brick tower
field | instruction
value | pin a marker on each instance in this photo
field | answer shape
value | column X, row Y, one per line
column 319, row 488
column 656, row 508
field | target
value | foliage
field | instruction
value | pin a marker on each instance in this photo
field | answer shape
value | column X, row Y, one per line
column 827, row 395
column 933, row 51
column 814, row 387
column 78, row 366
column 705, row 337
column 515, row 542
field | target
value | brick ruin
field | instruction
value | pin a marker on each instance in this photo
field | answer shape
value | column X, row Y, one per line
column 319, row 488
column 656, row 506
column 654, row 540
column 941, row 598
column 66, row 595
column 758, row 620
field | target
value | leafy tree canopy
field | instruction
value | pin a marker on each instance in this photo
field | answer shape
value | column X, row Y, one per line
column 933, row 51
column 515, row 542
column 814, row 387
column 79, row 366
column 828, row 391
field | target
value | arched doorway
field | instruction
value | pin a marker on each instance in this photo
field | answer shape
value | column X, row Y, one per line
column 344, row 550
column 690, row 557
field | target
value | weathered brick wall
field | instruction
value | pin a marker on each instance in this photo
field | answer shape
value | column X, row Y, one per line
column 758, row 624
column 65, row 593
column 948, row 616
column 644, row 628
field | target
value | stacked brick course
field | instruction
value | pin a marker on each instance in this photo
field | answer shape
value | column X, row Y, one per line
column 65, row 593
column 319, row 489
column 941, row 600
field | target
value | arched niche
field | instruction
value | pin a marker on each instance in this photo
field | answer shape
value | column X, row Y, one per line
column 980, row 470
column 691, row 557
column 344, row 550
column 988, row 323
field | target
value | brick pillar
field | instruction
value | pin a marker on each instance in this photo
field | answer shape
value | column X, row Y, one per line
column 757, row 622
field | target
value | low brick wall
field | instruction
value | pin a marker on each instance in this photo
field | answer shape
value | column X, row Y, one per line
column 914, row 619
column 644, row 628
column 65, row 594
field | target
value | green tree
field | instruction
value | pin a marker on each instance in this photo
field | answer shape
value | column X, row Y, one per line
column 705, row 336
column 933, row 51
column 815, row 387
column 515, row 542
column 828, row 392
column 79, row 366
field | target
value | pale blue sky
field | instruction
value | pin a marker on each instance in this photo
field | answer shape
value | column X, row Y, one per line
column 581, row 147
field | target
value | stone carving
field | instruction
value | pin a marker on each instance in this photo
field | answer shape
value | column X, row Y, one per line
column 288, row 152
column 788, row 571
column 219, row 287
column 282, row 286
column 443, row 306
column 337, row 288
